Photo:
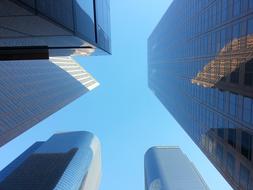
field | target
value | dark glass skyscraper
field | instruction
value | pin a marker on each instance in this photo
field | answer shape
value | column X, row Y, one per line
column 40, row 28
column 38, row 39
column 200, row 66
column 168, row 168
column 65, row 161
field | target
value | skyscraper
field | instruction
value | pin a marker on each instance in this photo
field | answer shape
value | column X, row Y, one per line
column 168, row 168
column 35, row 29
column 38, row 39
column 33, row 90
column 65, row 161
column 200, row 67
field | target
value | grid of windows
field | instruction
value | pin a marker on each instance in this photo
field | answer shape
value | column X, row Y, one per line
column 33, row 90
column 199, row 66
column 62, row 25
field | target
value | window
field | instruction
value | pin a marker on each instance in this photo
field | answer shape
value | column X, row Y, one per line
column 220, row 133
column 248, row 78
column 59, row 11
column 219, row 153
column 84, row 15
column 221, row 102
column 246, row 145
column 244, row 177
column 250, row 26
column 233, row 104
column 247, row 109
column 223, row 38
column 236, row 31
column 225, row 10
column 232, row 137
column 230, row 164
column 251, row 4
column 237, row 8
column 234, row 76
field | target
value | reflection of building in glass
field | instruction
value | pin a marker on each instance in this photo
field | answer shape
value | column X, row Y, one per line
column 233, row 61
column 37, row 28
column 210, row 44
column 168, row 168
column 66, row 161
column 37, row 41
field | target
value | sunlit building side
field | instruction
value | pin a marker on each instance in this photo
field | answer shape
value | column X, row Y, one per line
column 169, row 168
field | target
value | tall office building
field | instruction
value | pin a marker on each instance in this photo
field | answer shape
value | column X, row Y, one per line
column 33, row 90
column 36, row 29
column 38, row 39
column 200, row 66
column 67, row 161
column 168, row 168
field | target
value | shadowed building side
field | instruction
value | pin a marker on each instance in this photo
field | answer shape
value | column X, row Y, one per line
column 66, row 161
column 53, row 28
column 231, row 150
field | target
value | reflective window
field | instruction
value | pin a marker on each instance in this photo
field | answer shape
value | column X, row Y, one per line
column 247, row 109
column 231, row 164
column 246, row 145
column 232, row 137
column 221, row 133
column 234, row 77
column 236, row 31
column 219, row 153
column 237, row 7
column 30, row 3
column 233, row 104
column 248, row 80
column 56, row 10
column 84, row 15
column 251, row 4
column 250, row 26
column 103, row 23
column 244, row 177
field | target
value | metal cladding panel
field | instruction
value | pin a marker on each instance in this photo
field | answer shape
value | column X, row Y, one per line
column 200, row 66
column 33, row 90
column 168, row 168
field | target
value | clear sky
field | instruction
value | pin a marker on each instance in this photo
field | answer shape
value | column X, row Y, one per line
column 122, row 112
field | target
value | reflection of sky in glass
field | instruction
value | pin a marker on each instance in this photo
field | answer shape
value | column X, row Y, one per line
column 87, row 6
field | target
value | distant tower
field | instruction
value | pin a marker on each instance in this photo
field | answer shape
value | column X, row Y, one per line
column 167, row 168
column 67, row 161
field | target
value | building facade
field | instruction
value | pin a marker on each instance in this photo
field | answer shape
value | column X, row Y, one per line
column 38, row 42
column 168, row 168
column 35, row 29
column 66, row 161
column 200, row 67
column 33, row 90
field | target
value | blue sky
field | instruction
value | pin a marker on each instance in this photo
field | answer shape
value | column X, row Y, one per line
column 122, row 112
